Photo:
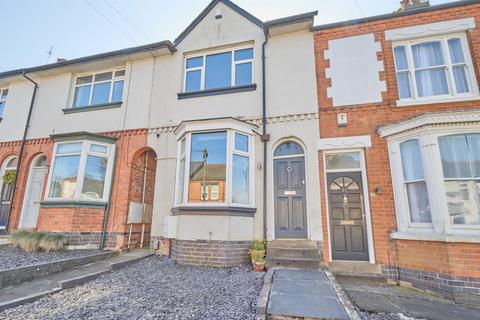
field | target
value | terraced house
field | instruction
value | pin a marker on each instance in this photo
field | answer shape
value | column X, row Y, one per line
column 399, row 153
column 355, row 144
column 200, row 141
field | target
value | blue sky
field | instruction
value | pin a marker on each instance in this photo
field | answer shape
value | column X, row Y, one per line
column 77, row 28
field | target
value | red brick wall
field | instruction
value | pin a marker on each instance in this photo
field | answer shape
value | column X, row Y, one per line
column 451, row 258
column 130, row 146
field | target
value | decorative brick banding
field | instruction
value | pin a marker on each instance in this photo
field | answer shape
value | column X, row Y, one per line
column 210, row 253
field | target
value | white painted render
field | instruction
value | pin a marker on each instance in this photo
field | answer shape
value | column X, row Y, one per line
column 354, row 70
column 151, row 101
column 291, row 90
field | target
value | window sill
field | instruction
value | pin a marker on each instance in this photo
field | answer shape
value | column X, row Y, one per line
column 406, row 103
column 214, row 92
column 73, row 204
column 214, row 211
column 399, row 235
column 102, row 106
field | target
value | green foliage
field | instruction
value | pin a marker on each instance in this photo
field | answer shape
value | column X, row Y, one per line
column 258, row 245
column 257, row 251
column 257, row 255
column 9, row 177
column 30, row 240
column 52, row 242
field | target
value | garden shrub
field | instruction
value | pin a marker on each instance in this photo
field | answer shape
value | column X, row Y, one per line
column 30, row 240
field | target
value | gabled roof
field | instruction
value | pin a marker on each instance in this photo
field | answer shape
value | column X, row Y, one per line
column 209, row 8
column 163, row 47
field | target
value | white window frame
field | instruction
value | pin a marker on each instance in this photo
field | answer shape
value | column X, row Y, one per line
column 452, row 95
column 441, row 227
column 204, row 61
column 3, row 100
column 230, row 149
column 85, row 152
column 112, row 81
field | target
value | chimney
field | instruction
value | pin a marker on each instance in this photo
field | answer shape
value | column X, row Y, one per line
column 60, row 60
column 410, row 5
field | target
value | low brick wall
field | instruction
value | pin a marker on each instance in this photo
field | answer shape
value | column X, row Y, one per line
column 28, row 273
column 113, row 240
column 210, row 253
column 464, row 290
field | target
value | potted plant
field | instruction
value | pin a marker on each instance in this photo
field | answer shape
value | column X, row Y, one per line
column 257, row 254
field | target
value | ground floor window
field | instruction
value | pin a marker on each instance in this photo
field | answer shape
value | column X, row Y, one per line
column 215, row 168
column 460, row 156
column 436, row 179
column 81, row 170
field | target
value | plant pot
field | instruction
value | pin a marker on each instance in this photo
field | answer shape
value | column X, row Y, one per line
column 258, row 267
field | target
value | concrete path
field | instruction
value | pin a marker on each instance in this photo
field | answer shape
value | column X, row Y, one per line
column 304, row 294
column 375, row 296
column 26, row 292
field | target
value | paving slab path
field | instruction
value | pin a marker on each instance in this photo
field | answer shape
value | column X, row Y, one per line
column 379, row 300
column 304, row 294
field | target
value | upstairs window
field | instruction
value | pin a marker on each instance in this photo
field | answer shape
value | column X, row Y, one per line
column 434, row 68
column 3, row 101
column 219, row 70
column 99, row 89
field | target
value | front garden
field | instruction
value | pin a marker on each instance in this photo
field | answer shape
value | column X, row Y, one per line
column 154, row 288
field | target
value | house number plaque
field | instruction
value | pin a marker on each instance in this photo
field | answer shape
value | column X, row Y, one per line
column 290, row 193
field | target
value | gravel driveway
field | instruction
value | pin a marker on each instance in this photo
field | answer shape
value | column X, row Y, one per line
column 13, row 258
column 154, row 288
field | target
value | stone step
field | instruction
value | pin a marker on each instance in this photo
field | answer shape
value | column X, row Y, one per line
column 287, row 243
column 293, row 253
column 297, row 263
column 356, row 269
column 30, row 291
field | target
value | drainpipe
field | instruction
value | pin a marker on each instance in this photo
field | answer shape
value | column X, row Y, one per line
column 264, row 137
column 22, row 145
column 106, row 211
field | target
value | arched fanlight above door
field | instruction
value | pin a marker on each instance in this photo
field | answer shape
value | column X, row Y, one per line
column 289, row 148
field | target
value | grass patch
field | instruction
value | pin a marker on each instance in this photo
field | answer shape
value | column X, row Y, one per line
column 30, row 240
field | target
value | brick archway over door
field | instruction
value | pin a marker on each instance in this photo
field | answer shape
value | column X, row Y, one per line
column 141, row 191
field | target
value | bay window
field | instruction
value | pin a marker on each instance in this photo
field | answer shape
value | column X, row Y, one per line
column 98, row 89
column 414, row 181
column 435, row 167
column 218, row 70
column 81, row 170
column 215, row 168
column 434, row 68
column 460, row 156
